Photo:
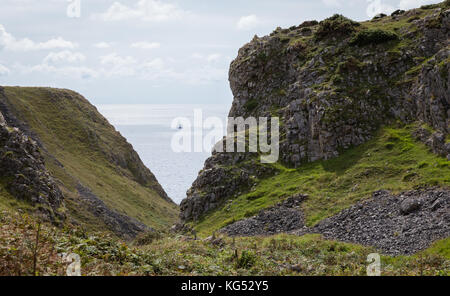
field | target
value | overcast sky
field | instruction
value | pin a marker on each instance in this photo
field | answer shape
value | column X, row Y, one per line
column 149, row 51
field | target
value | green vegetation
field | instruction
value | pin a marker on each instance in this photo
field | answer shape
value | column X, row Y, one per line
column 81, row 146
column 251, row 104
column 10, row 203
column 101, row 254
column 336, row 26
column 441, row 247
column 392, row 160
column 432, row 6
column 376, row 36
column 349, row 65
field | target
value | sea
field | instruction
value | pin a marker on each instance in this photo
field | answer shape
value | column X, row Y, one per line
column 151, row 128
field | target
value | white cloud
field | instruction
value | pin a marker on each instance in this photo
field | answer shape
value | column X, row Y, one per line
column 203, row 75
column 211, row 67
column 146, row 45
column 64, row 56
column 210, row 58
column 409, row 4
column 54, row 63
column 4, row 71
column 248, row 22
column 9, row 42
column 69, row 71
column 376, row 7
column 213, row 57
column 112, row 65
column 332, row 3
column 116, row 60
column 197, row 56
column 102, row 45
column 156, row 64
column 146, row 10
column 118, row 65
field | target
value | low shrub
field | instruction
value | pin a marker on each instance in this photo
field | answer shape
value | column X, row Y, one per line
column 146, row 238
column 246, row 260
column 306, row 24
column 377, row 36
column 337, row 25
column 351, row 64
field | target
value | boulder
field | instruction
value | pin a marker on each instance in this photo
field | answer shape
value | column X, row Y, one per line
column 398, row 12
column 379, row 16
column 409, row 206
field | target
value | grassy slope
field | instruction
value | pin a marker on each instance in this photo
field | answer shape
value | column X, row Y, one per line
column 392, row 160
column 77, row 136
column 102, row 255
column 10, row 203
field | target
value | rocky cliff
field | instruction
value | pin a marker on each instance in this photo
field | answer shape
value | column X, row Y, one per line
column 61, row 156
column 333, row 84
column 24, row 174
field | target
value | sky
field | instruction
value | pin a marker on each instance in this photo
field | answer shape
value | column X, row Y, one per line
column 149, row 51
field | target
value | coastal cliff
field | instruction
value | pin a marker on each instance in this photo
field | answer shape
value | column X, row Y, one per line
column 363, row 106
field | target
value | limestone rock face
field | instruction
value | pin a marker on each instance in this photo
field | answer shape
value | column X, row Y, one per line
column 331, row 94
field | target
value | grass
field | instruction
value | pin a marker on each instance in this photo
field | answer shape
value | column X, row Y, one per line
column 441, row 247
column 176, row 255
column 81, row 146
column 392, row 160
column 10, row 203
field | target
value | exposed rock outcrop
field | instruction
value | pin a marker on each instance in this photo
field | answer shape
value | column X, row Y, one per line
column 436, row 141
column 239, row 174
column 122, row 225
column 23, row 172
column 332, row 93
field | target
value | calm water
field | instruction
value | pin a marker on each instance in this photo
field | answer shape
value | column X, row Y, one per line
column 148, row 129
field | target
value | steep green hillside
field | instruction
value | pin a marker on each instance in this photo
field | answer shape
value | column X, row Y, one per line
column 88, row 157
